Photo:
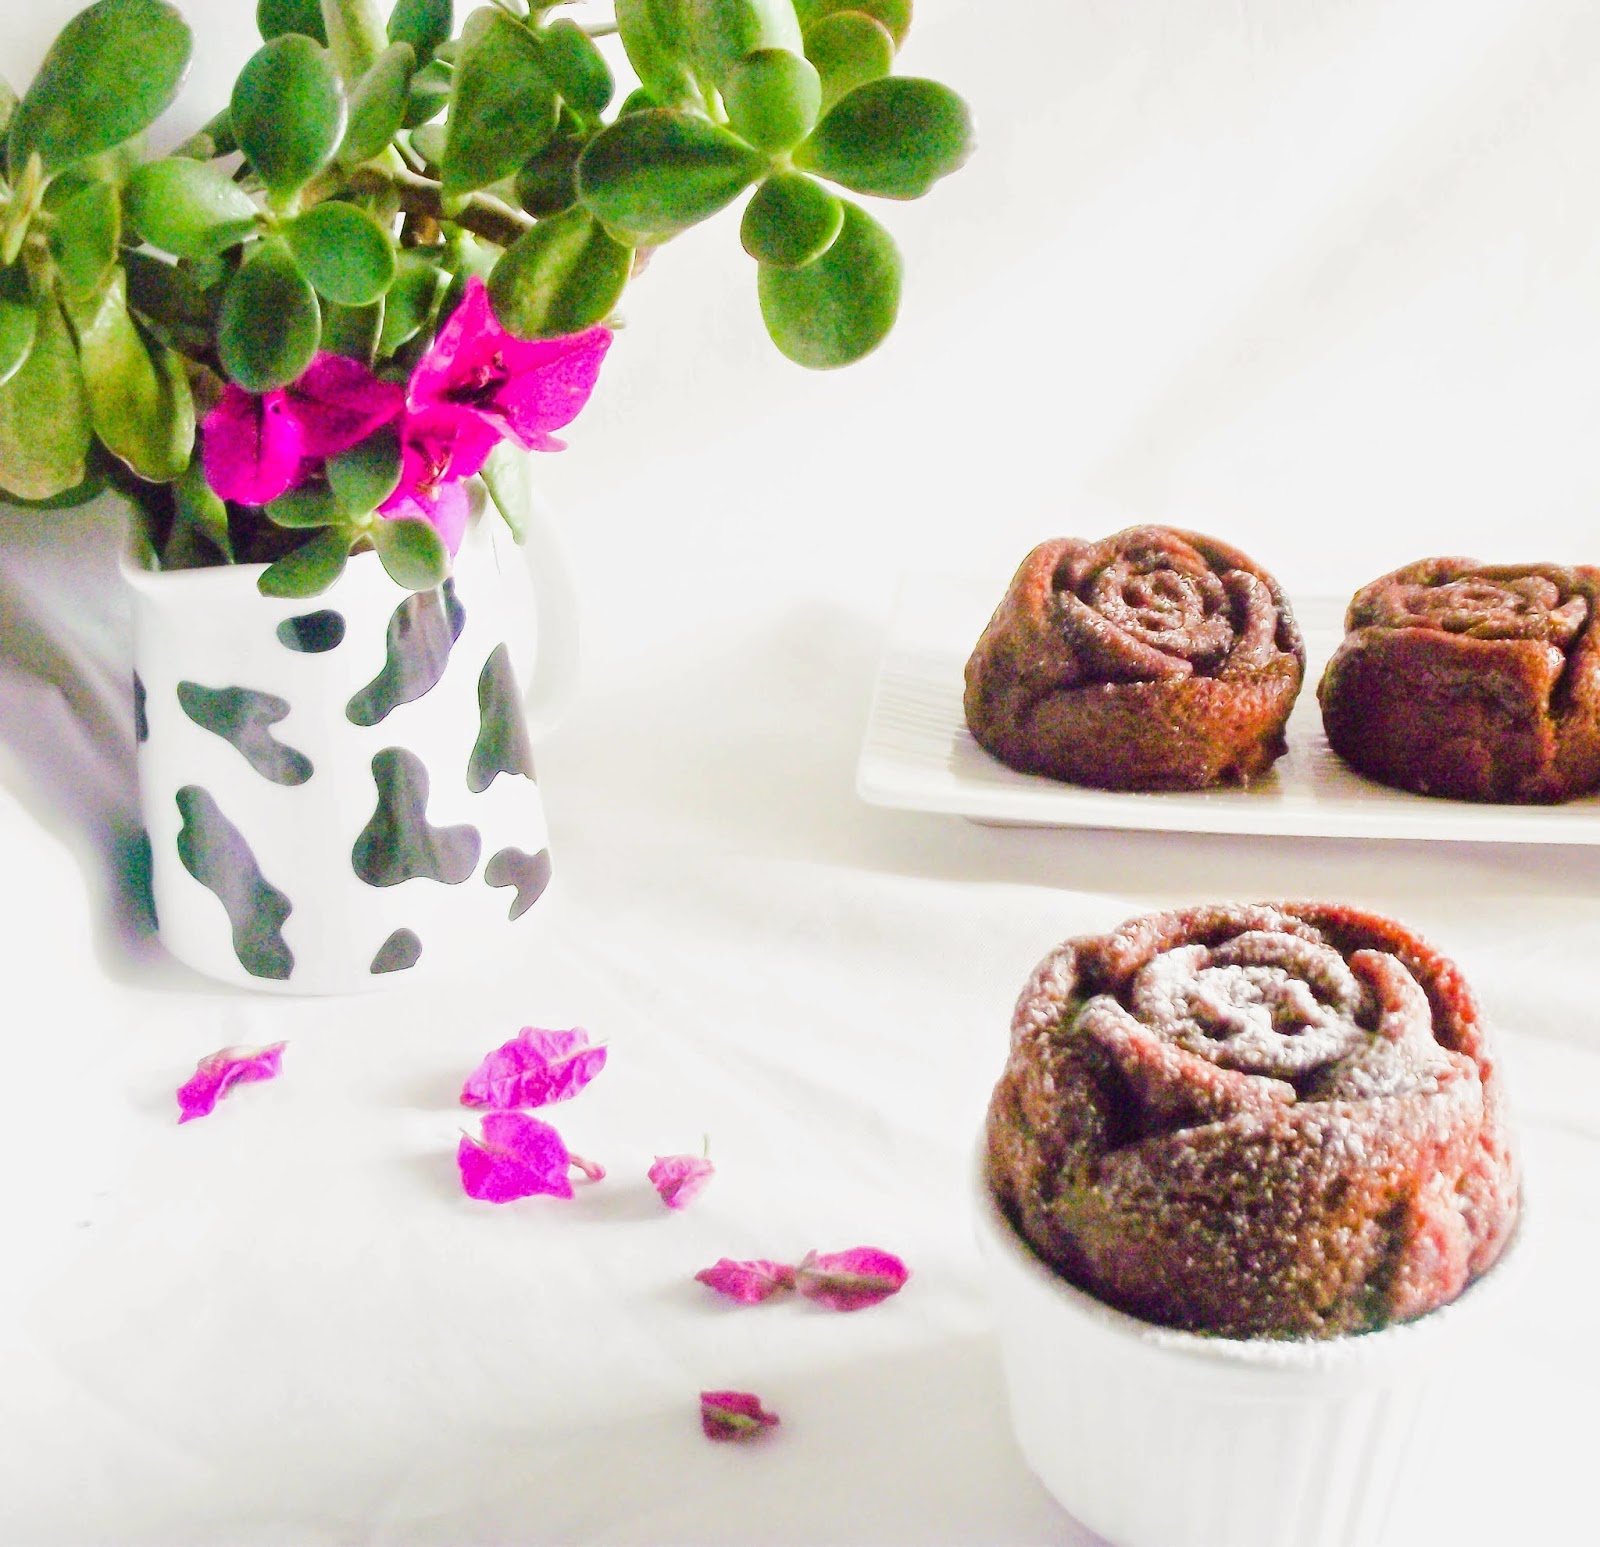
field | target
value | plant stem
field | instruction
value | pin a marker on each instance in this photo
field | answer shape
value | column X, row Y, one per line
column 482, row 214
column 356, row 36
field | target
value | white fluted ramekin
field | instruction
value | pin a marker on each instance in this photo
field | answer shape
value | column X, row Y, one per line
column 1157, row 1438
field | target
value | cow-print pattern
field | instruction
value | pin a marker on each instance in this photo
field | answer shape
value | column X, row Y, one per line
column 399, row 843
column 528, row 873
column 421, row 633
column 502, row 745
column 245, row 718
column 401, row 950
column 313, row 633
column 216, row 854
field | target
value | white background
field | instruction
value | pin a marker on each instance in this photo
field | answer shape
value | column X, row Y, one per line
column 1319, row 276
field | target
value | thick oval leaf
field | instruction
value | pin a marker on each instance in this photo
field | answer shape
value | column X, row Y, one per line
column 849, row 49
column 503, row 106
column 199, row 534
column 548, row 180
column 791, row 221
column 44, row 415
column 429, row 94
column 773, row 98
column 288, row 112
column 378, row 105
column 352, row 331
column 894, row 16
column 424, row 24
column 835, row 310
column 343, row 251
column 576, row 66
column 894, row 138
column 722, row 32
column 410, row 302
column 110, row 73
column 171, row 302
column 276, row 17
column 269, row 326
column 309, row 507
column 368, row 473
column 653, row 174
column 561, row 277
column 19, row 320
column 139, row 399
column 188, row 208
column 413, row 554
column 84, row 242
column 310, row 568
column 653, row 40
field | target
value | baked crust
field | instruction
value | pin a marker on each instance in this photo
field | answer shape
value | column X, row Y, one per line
column 1260, row 1121
column 1478, row 682
column 1154, row 659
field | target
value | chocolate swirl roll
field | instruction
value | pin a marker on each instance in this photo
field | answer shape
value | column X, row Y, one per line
column 1151, row 660
column 1480, row 682
column 1268, row 1121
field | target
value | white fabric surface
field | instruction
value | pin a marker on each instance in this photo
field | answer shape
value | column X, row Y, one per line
column 1317, row 275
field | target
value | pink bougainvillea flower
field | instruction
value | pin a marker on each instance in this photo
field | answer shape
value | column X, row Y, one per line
column 438, row 448
column 520, row 389
column 680, row 1179
column 734, row 1415
column 256, row 447
column 852, row 1280
column 748, row 1282
column 534, row 1069
column 217, row 1073
column 517, row 1157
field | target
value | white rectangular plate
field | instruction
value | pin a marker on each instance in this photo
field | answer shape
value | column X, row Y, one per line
column 919, row 755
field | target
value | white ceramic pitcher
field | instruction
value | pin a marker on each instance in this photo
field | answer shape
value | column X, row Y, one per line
column 340, row 791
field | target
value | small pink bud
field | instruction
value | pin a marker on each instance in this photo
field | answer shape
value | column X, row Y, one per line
column 680, row 1179
column 217, row 1073
column 852, row 1280
column 590, row 1168
column 734, row 1415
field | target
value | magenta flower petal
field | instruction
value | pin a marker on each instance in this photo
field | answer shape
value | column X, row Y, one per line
column 464, row 347
column 748, row 1282
column 734, row 1415
column 546, row 385
column 517, row 1157
column 339, row 403
column 852, row 1280
column 252, row 447
column 536, row 1067
column 446, row 512
column 680, row 1179
column 217, row 1073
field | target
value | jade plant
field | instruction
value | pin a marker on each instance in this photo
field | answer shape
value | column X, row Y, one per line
column 401, row 246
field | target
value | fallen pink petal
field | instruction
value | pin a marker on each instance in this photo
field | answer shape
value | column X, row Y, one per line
column 748, row 1282
column 852, row 1280
column 535, row 1068
column 217, row 1073
column 680, row 1179
column 734, row 1415
column 517, row 1157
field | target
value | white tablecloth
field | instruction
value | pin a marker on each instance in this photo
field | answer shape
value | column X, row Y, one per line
column 1320, row 278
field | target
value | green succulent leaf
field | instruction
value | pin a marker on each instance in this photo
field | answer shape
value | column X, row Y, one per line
column 85, row 238
column 548, row 181
column 367, row 474
column 170, row 301
column 424, row 24
column 378, row 105
column 651, row 175
column 270, row 325
column 8, row 104
column 19, row 320
column 139, row 400
column 849, row 49
column 722, row 32
column 45, row 433
column 311, row 506
column 276, row 17
column 894, row 16
column 411, row 551
column 564, row 275
column 654, row 39
column 110, row 73
column 189, row 208
column 773, row 98
column 352, row 331
column 578, row 69
column 791, row 221
column 343, row 251
column 199, row 534
column 841, row 306
column 894, row 138
column 288, row 112
column 429, row 94
column 503, row 107
column 505, row 476
column 309, row 569
column 410, row 301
